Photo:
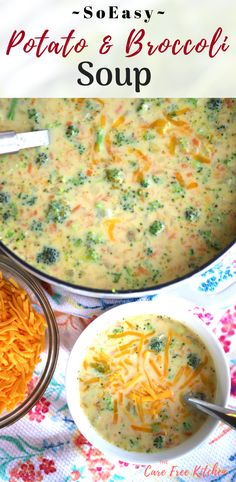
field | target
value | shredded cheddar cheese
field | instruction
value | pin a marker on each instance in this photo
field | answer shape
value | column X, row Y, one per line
column 22, row 334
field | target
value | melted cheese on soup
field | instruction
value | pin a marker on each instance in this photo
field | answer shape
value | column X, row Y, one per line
column 133, row 379
column 130, row 193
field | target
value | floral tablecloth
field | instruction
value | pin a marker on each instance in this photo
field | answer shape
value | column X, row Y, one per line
column 46, row 445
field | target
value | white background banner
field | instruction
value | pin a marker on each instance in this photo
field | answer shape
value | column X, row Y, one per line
column 165, row 73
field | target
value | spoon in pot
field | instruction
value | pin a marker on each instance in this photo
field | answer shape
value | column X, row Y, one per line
column 11, row 141
column 226, row 415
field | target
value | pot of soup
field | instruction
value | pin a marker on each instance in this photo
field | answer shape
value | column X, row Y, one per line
column 131, row 196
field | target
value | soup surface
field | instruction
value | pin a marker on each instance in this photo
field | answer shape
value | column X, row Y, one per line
column 130, row 193
column 133, row 379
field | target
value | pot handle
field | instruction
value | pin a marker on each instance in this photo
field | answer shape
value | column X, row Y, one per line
column 216, row 300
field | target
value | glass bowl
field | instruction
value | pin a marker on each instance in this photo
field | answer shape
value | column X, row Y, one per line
column 44, row 370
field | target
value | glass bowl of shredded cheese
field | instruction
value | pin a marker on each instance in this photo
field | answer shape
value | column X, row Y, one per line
column 29, row 342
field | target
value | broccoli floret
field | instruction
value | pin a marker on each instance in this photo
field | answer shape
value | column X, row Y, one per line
column 192, row 214
column 114, row 175
column 57, row 212
column 81, row 148
column 34, row 115
column 10, row 211
column 193, row 101
column 149, row 251
column 107, row 403
column 27, row 199
column 36, row 226
column 71, row 131
column 157, row 179
column 116, row 277
column 92, row 239
column 177, row 189
column 128, row 200
column 214, row 104
column 207, row 236
column 92, row 255
column 158, row 442
column 78, row 180
column 101, row 367
column 121, row 139
column 154, row 205
column 193, row 360
column 133, row 443
column 41, row 159
column 187, row 426
column 149, row 136
column 48, row 256
column 4, row 197
column 145, row 182
column 156, row 228
column 119, row 329
column 157, row 343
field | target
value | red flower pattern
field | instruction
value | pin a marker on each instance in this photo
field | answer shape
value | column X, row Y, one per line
column 28, row 472
column 229, row 322
column 233, row 380
column 37, row 413
column 226, row 343
column 47, row 465
column 100, row 468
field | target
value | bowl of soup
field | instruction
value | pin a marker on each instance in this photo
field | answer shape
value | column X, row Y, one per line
column 130, row 196
column 129, row 371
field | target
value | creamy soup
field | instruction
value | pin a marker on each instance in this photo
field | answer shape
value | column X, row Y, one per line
column 130, row 193
column 133, row 379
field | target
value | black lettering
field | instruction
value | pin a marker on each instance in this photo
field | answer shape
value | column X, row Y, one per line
column 100, row 14
column 137, row 14
column 127, row 80
column 85, row 72
column 99, row 76
column 126, row 14
column 89, row 11
column 113, row 11
column 137, row 81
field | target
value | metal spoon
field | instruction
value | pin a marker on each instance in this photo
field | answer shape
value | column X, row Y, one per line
column 11, row 141
column 226, row 415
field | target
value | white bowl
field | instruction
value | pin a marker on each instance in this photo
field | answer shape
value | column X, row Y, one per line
column 178, row 309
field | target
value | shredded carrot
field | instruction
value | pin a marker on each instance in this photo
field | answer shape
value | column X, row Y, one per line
column 172, row 145
column 30, row 168
column 115, row 414
column 178, row 375
column 118, row 122
column 153, row 365
column 103, row 121
column 180, row 179
column 76, row 208
column 22, row 334
column 158, row 125
column 200, row 158
column 141, row 428
column 92, row 380
column 192, row 185
column 125, row 333
column 110, row 225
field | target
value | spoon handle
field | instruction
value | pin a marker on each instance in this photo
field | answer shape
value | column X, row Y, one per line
column 226, row 415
